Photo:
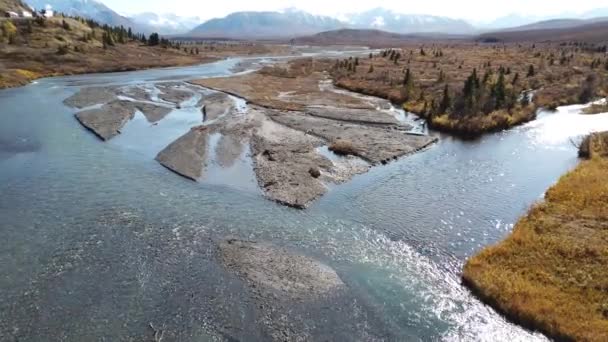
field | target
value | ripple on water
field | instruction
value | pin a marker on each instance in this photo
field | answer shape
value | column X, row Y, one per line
column 397, row 235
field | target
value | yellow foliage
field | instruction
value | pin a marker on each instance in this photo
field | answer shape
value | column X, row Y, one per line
column 30, row 75
column 8, row 28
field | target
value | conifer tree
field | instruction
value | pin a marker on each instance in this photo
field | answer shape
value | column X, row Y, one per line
column 499, row 91
column 446, row 101
column 531, row 71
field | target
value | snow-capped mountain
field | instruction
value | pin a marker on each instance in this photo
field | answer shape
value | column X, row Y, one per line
column 387, row 20
column 166, row 23
column 93, row 9
column 289, row 23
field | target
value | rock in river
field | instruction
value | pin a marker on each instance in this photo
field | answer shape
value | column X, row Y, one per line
column 186, row 156
column 278, row 270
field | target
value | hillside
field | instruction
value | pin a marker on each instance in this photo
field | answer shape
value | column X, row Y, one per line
column 590, row 33
column 555, row 24
column 371, row 38
column 59, row 46
column 244, row 25
column 91, row 9
column 11, row 5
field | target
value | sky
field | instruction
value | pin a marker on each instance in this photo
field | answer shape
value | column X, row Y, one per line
column 473, row 10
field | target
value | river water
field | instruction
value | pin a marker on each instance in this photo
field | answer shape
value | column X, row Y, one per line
column 99, row 240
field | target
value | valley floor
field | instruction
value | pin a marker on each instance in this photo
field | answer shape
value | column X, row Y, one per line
column 470, row 89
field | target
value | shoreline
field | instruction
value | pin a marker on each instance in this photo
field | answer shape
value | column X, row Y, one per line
column 38, row 76
column 535, row 277
column 454, row 131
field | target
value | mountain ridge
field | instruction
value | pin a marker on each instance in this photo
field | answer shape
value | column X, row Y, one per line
column 252, row 24
column 392, row 21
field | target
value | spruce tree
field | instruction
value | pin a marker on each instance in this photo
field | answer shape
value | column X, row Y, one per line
column 531, row 71
column 446, row 101
column 499, row 91
column 407, row 80
column 515, row 79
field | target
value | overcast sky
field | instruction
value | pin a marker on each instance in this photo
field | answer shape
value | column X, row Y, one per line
column 474, row 10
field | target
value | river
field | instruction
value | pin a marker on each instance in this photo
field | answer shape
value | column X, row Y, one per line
column 100, row 240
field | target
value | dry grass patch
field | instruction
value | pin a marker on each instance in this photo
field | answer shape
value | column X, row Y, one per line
column 342, row 147
column 475, row 125
column 551, row 273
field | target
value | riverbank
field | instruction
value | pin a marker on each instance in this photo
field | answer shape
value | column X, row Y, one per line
column 469, row 90
column 463, row 126
column 550, row 274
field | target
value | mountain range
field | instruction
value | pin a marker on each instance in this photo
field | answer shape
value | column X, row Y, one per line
column 165, row 23
column 293, row 23
column 387, row 20
column 290, row 23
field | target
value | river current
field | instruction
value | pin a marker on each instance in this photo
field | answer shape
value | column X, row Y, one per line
column 99, row 240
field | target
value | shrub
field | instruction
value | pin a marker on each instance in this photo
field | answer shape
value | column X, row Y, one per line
column 9, row 30
column 63, row 50
column 342, row 147
column 315, row 172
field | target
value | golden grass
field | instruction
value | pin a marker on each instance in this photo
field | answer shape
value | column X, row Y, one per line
column 474, row 125
column 551, row 273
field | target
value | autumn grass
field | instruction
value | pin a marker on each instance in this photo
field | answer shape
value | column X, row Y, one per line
column 476, row 125
column 558, row 79
column 34, row 52
column 551, row 273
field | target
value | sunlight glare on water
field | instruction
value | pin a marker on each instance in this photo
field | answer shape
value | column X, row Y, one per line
column 557, row 129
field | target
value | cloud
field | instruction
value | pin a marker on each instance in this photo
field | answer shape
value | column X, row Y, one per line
column 378, row 22
column 474, row 10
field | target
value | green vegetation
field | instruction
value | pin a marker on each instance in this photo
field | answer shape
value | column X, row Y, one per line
column 550, row 274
